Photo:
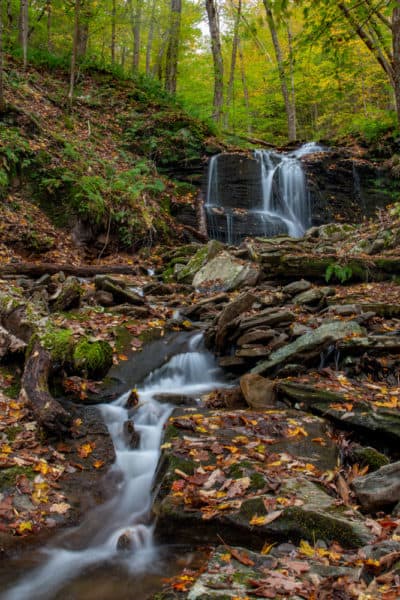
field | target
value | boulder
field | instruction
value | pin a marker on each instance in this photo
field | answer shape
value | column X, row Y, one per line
column 119, row 292
column 270, row 317
column 226, row 274
column 380, row 489
column 258, row 391
column 67, row 296
column 309, row 345
column 297, row 287
column 202, row 256
column 259, row 335
column 228, row 315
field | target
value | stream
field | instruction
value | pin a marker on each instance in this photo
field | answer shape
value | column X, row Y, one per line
column 85, row 562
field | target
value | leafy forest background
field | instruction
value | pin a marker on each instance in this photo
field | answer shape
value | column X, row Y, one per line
column 276, row 70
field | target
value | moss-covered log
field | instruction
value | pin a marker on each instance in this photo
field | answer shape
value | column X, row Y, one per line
column 49, row 413
column 288, row 266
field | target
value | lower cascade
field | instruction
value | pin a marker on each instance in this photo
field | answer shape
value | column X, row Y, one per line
column 266, row 195
column 120, row 532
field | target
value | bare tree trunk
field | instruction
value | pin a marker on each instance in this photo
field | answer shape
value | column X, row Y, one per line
column 293, row 117
column 2, row 101
column 150, row 37
column 171, row 67
column 213, row 23
column 49, row 23
column 396, row 57
column 290, row 110
column 245, row 88
column 113, row 30
column 74, row 53
column 135, row 19
column 24, row 30
column 235, row 44
column 123, row 57
column 137, row 34
column 158, row 65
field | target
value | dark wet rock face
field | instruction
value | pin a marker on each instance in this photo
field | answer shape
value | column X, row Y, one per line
column 379, row 490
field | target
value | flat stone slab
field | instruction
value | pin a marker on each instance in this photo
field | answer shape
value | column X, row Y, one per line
column 309, row 344
column 250, row 477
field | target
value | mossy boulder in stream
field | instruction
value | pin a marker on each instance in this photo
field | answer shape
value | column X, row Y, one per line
column 92, row 359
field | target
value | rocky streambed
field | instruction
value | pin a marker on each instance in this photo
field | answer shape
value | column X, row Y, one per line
column 287, row 472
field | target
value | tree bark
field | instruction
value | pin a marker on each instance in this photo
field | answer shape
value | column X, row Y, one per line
column 218, row 101
column 396, row 57
column 245, row 89
column 74, row 53
column 289, row 106
column 235, row 46
column 24, row 31
column 2, row 100
column 48, row 411
column 135, row 19
column 37, row 270
column 171, row 68
column 150, row 37
column 113, row 30
column 49, row 23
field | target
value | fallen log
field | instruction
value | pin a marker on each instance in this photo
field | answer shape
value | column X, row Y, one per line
column 35, row 391
column 37, row 270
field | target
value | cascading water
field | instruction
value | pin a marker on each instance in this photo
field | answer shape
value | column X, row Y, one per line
column 95, row 542
column 281, row 205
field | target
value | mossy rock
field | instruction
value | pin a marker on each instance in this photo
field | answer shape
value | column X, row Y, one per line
column 92, row 359
column 369, row 457
column 8, row 477
column 59, row 342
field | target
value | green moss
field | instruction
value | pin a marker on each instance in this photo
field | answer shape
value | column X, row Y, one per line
column 182, row 464
column 194, row 265
column 254, row 506
column 171, row 432
column 257, row 481
column 59, row 343
column 92, row 359
column 12, row 432
column 237, row 470
column 8, row 477
column 313, row 526
column 371, row 458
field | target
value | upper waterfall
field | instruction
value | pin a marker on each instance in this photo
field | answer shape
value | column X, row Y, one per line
column 268, row 197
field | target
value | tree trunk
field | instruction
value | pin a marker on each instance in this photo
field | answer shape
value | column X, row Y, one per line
column 74, row 53
column 113, row 30
column 245, row 88
column 396, row 57
column 48, row 411
column 171, row 67
column 49, row 23
column 289, row 107
column 213, row 23
column 150, row 38
column 24, row 30
column 135, row 19
column 2, row 101
column 235, row 45
column 137, row 34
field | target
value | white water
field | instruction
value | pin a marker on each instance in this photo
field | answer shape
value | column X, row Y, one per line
column 285, row 204
column 190, row 373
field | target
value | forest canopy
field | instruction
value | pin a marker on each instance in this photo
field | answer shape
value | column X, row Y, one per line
column 274, row 69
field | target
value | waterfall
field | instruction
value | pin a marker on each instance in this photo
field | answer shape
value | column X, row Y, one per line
column 95, row 544
column 279, row 205
column 285, row 201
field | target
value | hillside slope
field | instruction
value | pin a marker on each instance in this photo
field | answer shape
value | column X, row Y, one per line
column 101, row 170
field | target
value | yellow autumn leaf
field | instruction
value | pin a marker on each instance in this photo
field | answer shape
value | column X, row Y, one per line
column 6, row 449
column 24, row 526
column 42, row 467
column 266, row 549
column 306, row 549
column 256, row 520
column 98, row 464
column 86, row 449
